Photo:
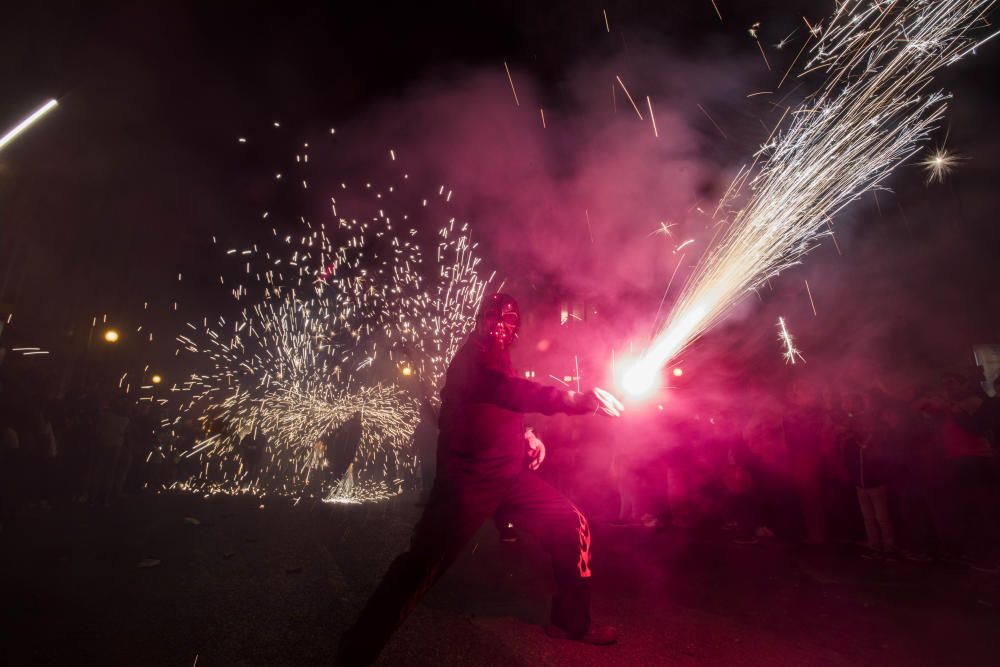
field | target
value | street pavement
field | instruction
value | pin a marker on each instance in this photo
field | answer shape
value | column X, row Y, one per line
column 183, row 580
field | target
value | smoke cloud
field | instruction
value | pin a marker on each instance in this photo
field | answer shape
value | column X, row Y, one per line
column 592, row 205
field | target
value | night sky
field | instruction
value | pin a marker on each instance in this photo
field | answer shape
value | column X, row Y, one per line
column 123, row 186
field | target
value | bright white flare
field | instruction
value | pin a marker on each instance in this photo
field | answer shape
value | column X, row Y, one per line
column 26, row 123
column 640, row 380
column 871, row 114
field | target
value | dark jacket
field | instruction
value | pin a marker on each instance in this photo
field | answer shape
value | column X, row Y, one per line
column 481, row 404
column 867, row 444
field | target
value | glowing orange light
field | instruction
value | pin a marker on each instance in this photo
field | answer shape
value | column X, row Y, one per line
column 156, row 379
column 111, row 336
column 407, row 371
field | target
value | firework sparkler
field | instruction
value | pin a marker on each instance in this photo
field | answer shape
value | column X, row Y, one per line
column 871, row 114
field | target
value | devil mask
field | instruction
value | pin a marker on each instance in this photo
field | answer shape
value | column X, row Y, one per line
column 499, row 318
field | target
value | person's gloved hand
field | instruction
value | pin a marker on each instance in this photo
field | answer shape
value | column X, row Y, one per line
column 536, row 449
column 597, row 400
column 609, row 405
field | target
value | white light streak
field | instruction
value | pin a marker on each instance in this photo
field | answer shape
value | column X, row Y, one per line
column 791, row 352
column 27, row 122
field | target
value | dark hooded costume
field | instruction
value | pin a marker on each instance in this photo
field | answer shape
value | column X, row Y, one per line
column 482, row 470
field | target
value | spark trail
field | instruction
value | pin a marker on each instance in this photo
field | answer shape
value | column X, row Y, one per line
column 872, row 113
column 791, row 352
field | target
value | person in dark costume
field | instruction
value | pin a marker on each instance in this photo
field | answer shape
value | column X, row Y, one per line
column 252, row 446
column 425, row 436
column 482, row 469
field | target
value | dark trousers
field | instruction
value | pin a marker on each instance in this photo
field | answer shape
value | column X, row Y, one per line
column 455, row 511
column 975, row 506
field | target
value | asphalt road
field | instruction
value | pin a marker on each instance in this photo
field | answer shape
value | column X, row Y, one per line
column 184, row 580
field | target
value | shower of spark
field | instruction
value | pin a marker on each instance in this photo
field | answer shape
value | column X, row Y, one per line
column 871, row 114
column 321, row 318
column 791, row 352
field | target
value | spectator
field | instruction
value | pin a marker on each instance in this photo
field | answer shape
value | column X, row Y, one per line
column 972, row 473
column 9, row 446
column 744, row 512
column 805, row 424
column 137, row 450
column 626, row 476
column 111, row 426
column 252, row 447
column 991, row 416
column 425, row 443
column 867, row 465
column 921, row 485
column 767, row 461
column 44, row 458
column 318, row 469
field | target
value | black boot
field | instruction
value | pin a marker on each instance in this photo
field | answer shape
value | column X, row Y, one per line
column 596, row 635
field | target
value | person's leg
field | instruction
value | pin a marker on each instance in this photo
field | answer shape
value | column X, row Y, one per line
column 871, row 523
column 990, row 502
column 976, row 487
column 880, row 504
column 91, row 483
column 454, row 512
column 746, row 512
column 539, row 509
column 122, row 469
column 505, row 526
column 425, row 439
column 912, row 513
column 767, row 498
column 108, row 483
column 811, row 500
column 628, row 490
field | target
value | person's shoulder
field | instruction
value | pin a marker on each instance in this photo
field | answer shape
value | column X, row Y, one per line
column 472, row 351
column 473, row 344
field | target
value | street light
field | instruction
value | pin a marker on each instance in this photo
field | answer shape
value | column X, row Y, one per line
column 156, row 379
column 111, row 336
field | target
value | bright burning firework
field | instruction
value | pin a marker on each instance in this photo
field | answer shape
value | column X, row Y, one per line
column 870, row 115
column 791, row 352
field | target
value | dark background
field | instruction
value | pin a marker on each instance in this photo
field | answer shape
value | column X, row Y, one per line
column 121, row 188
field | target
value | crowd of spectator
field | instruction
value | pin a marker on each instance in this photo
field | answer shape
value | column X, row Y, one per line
column 83, row 445
column 907, row 478
column 913, row 478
